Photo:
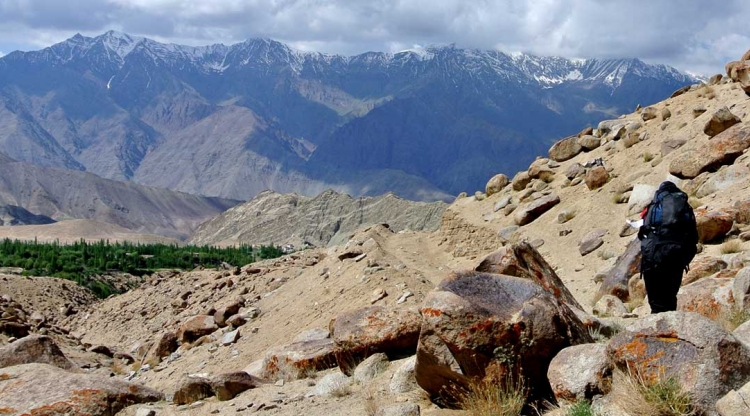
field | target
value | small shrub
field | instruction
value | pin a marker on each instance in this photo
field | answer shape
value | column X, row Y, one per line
column 568, row 214
column 341, row 390
column 648, row 156
column 370, row 405
column 619, row 198
column 606, row 254
column 731, row 246
column 596, row 335
column 581, row 408
column 494, row 398
column 642, row 397
column 635, row 303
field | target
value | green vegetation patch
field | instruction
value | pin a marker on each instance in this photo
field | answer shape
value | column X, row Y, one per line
column 81, row 261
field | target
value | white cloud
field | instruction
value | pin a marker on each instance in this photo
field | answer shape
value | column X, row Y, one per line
column 689, row 35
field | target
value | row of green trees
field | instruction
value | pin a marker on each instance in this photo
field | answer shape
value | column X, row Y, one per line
column 81, row 260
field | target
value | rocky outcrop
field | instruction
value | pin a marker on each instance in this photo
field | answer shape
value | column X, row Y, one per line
column 34, row 349
column 723, row 149
column 580, row 372
column 520, row 180
column 706, row 361
column 360, row 333
column 42, row 389
column 226, row 386
column 721, row 120
column 701, row 267
column 192, row 389
column 589, row 143
column 710, row 297
column 272, row 218
column 535, row 209
column 478, row 323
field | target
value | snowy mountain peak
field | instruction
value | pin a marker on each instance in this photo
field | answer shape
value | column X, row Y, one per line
column 120, row 43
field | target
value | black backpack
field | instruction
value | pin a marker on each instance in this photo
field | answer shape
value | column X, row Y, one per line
column 669, row 232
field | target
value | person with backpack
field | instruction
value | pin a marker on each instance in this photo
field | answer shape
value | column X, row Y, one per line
column 668, row 244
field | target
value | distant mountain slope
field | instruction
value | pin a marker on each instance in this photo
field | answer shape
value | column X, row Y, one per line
column 327, row 219
column 62, row 194
column 231, row 121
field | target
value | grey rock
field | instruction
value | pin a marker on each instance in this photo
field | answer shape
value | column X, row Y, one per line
column 742, row 333
column 580, row 372
column 230, row 337
column 403, row 380
column 508, row 234
column 610, row 306
column 315, row 334
column 330, row 384
column 533, row 210
column 640, row 197
column 34, row 349
column 735, row 403
column 591, row 241
column 370, row 368
column 723, row 179
column 668, row 146
column 502, row 203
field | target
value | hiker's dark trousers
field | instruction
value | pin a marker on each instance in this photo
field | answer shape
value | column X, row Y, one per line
column 662, row 284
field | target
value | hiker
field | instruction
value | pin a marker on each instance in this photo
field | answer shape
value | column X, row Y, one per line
column 668, row 244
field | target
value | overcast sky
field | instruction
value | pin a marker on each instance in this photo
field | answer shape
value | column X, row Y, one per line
column 692, row 35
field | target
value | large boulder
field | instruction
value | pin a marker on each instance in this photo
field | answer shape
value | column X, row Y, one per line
column 580, row 372
column 649, row 113
column 496, row 184
column 296, row 360
column 705, row 360
column 533, row 210
column 710, row 297
column 34, row 349
column 713, row 225
column 403, row 380
column 596, row 177
column 565, row 149
column 589, row 142
column 721, row 120
column 742, row 71
column 524, row 261
column 640, row 197
column 481, row 324
column 43, row 389
column 363, row 332
column 196, row 327
column 192, row 389
column 723, row 149
column 574, row 170
column 627, row 264
column 225, row 312
column 742, row 211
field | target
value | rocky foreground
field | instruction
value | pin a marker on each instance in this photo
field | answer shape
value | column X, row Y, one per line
column 535, row 278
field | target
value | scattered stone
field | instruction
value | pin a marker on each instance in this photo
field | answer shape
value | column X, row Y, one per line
column 565, row 149
column 39, row 349
column 741, row 289
column 508, row 234
column 521, row 180
column 192, row 389
column 670, row 145
column 610, row 306
column 575, row 170
column 360, row 333
column 580, row 372
column 627, row 230
column 735, row 403
column 709, row 297
column 399, row 409
column 498, row 311
column 665, row 113
column 589, row 143
column 222, row 314
column 403, row 380
column 721, row 120
column 702, row 267
column 145, row 412
column 502, row 203
column 649, row 113
column 378, row 294
column 196, row 327
column 404, row 296
column 370, row 368
column 591, row 241
column 636, row 287
column 496, row 184
column 228, row 385
column 165, row 345
column 698, row 111
column 236, row 321
column 533, row 210
column 230, row 337
column 626, row 265
column 713, row 225
column 296, row 360
column 331, row 384
column 565, row 216
column 706, row 361
column 596, row 177
column 43, row 389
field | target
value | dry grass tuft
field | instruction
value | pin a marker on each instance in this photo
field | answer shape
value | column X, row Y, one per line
column 606, row 254
column 731, row 246
column 370, row 405
column 581, row 408
column 731, row 319
column 663, row 396
column 620, row 198
column 120, row 367
column 489, row 397
column 648, row 156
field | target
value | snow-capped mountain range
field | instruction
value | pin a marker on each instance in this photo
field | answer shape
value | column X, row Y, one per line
column 233, row 120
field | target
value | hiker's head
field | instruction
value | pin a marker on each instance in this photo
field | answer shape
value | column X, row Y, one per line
column 668, row 186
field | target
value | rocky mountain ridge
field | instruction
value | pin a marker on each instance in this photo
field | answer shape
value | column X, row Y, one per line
column 425, row 124
column 327, row 219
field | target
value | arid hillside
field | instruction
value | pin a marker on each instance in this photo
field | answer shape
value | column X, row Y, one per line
column 536, row 277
